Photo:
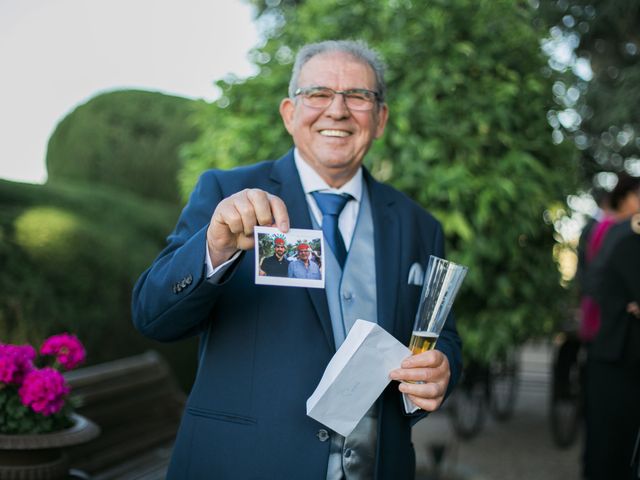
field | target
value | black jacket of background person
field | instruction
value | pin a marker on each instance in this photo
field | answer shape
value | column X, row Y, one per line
column 615, row 282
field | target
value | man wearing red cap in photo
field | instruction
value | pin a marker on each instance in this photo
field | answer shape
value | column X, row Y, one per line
column 277, row 265
column 303, row 267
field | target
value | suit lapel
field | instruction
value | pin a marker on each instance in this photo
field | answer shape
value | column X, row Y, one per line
column 387, row 247
column 289, row 189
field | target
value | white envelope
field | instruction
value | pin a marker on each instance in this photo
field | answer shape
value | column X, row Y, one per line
column 355, row 377
column 409, row 406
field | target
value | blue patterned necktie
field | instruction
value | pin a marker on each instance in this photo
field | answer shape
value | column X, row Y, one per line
column 331, row 205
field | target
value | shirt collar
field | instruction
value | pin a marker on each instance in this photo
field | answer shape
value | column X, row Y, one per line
column 312, row 182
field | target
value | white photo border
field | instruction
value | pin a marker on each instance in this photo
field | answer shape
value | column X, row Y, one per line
column 291, row 237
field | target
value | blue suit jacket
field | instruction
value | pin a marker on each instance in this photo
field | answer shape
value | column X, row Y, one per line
column 263, row 349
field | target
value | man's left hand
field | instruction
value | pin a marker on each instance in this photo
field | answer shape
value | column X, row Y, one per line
column 431, row 368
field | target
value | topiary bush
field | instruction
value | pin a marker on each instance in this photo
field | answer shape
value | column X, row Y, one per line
column 129, row 139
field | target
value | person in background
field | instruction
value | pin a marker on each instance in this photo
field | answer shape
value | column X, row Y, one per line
column 601, row 197
column 613, row 362
column 619, row 205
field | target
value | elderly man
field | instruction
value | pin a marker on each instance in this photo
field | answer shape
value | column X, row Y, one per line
column 277, row 265
column 264, row 349
column 303, row 267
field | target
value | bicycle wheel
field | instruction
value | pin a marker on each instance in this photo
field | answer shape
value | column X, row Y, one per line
column 469, row 403
column 504, row 387
column 565, row 411
column 565, row 421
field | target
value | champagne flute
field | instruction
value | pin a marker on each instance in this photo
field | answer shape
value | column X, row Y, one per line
column 441, row 284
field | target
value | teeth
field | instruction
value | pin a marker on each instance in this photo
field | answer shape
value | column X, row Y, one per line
column 334, row 133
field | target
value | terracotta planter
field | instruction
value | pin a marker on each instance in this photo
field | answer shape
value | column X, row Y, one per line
column 41, row 456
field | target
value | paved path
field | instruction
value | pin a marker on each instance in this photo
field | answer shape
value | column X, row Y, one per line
column 518, row 449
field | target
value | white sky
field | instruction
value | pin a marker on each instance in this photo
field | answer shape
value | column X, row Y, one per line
column 56, row 54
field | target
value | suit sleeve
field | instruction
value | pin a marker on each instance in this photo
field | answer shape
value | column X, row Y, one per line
column 172, row 299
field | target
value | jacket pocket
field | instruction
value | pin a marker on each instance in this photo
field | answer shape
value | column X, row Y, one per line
column 221, row 416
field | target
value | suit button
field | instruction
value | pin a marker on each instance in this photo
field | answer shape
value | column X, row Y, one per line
column 347, row 453
column 322, row 435
column 347, row 296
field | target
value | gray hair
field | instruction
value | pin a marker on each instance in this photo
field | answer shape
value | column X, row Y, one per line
column 359, row 50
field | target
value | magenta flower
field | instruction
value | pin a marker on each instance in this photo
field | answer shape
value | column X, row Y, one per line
column 44, row 391
column 67, row 349
column 15, row 362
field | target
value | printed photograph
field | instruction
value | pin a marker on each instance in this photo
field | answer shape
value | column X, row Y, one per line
column 292, row 259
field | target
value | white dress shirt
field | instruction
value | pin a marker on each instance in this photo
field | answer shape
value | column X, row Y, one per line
column 312, row 182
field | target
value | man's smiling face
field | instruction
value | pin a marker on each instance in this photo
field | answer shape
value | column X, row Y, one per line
column 279, row 250
column 303, row 254
column 334, row 140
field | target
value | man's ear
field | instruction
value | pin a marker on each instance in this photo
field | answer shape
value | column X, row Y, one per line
column 287, row 111
column 383, row 115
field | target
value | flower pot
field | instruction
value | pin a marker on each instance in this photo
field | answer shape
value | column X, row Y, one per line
column 41, row 456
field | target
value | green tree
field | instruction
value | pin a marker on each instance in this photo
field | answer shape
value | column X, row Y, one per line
column 126, row 139
column 597, row 106
column 467, row 138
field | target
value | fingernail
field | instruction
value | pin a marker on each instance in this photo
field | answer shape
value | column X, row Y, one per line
column 284, row 226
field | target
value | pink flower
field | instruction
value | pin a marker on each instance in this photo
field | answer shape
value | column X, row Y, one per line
column 15, row 362
column 44, row 391
column 67, row 348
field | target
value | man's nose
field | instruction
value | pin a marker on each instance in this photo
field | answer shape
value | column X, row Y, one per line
column 338, row 107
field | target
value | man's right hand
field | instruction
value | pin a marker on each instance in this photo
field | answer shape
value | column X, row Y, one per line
column 232, row 222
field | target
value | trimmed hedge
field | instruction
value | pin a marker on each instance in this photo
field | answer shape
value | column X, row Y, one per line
column 128, row 139
column 70, row 255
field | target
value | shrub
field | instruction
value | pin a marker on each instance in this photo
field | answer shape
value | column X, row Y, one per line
column 70, row 255
column 128, row 139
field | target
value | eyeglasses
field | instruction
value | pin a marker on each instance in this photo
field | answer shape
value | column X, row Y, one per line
column 321, row 97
